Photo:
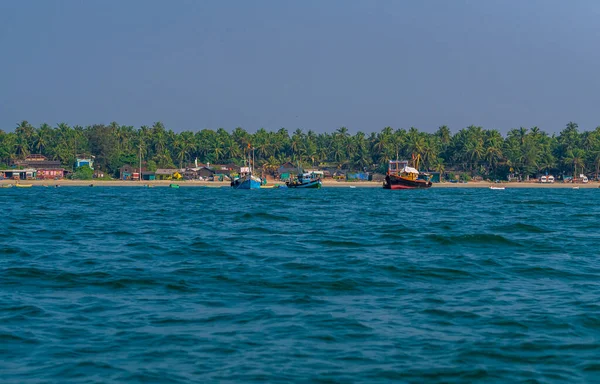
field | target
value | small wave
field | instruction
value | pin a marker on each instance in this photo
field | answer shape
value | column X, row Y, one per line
column 8, row 338
column 12, row 251
column 521, row 228
column 473, row 239
column 302, row 300
column 342, row 243
column 450, row 314
column 263, row 216
column 536, row 202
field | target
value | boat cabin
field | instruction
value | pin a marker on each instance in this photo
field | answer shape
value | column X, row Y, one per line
column 304, row 177
column 401, row 168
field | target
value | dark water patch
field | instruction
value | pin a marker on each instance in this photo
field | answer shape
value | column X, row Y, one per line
column 521, row 228
column 14, row 252
column 473, row 240
column 262, row 216
column 342, row 244
column 536, row 202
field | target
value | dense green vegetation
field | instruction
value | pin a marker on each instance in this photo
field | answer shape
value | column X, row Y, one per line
column 472, row 151
column 83, row 173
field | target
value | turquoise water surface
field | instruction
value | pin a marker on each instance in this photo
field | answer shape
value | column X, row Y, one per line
column 133, row 285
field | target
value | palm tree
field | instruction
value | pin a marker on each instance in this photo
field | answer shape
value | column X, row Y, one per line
column 438, row 166
column 575, row 158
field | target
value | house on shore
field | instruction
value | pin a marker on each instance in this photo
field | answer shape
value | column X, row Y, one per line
column 129, row 172
column 18, row 174
column 83, row 160
column 45, row 169
column 169, row 174
column 148, row 175
column 205, row 172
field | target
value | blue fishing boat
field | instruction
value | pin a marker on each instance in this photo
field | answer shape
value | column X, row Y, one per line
column 247, row 180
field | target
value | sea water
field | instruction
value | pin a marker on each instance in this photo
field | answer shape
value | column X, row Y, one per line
column 334, row 285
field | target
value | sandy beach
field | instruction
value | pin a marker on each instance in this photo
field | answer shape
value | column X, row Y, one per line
column 326, row 184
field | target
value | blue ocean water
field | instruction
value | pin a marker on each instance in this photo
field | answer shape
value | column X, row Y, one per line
column 134, row 285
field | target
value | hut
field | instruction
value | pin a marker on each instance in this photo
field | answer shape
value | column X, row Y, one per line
column 169, row 173
column 205, row 172
column 18, row 174
column 288, row 168
column 148, row 175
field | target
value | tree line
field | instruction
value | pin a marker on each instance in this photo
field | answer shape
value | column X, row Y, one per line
column 473, row 150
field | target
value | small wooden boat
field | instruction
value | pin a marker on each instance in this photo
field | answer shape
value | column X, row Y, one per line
column 6, row 186
column 176, row 186
column 23, row 185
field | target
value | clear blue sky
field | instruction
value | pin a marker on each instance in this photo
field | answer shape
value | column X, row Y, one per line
column 310, row 64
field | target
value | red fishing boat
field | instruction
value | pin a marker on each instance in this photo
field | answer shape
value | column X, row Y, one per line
column 401, row 176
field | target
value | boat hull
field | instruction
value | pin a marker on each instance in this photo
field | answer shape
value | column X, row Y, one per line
column 246, row 183
column 311, row 184
column 396, row 182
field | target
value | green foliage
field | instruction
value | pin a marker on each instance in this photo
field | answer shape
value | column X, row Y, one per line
column 83, row 173
column 151, row 166
column 472, row 150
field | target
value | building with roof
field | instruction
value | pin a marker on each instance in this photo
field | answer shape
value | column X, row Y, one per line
column 83, row 160
column 38, row 161
column 129, row 172
column 18, row 174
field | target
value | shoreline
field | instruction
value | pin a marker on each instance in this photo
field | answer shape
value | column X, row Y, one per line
column 326, row 184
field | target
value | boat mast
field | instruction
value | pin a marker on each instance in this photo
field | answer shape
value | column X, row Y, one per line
column 140, row 174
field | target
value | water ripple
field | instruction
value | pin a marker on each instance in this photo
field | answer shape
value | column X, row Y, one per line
column 121, row 285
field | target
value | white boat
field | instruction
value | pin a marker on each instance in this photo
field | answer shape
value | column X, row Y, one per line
column 575, row 187
column 551, row 179
column 499, row 188
column 544, row 179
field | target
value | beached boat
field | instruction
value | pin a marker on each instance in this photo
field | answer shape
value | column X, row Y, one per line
column 176, row 186
column 401, row 176
column 6, row 185
column 23, row 185
column 247, row 180
column 498, row 188
column 305, row 180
